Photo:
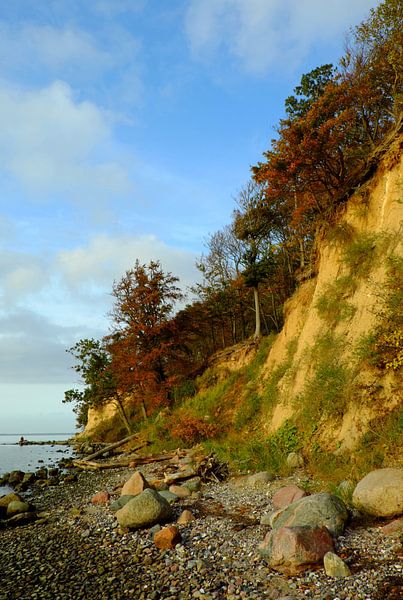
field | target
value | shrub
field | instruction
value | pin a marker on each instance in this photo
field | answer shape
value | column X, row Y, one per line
column 186, row 389
column 190, row 429
column 359, row 254
column 332, row 305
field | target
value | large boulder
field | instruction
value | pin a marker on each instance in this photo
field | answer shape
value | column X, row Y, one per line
column 135, row 485
column 15, row 477
column 6, row 500
column 287, row 495
column 293, row 549
column 380, row 493
column 16, row 507
column 148, row 508
column 318, row 510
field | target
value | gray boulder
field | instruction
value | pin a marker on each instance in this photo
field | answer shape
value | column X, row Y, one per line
column 148, row 508
column 380, row 493
column 170, row 497
column 318, row 510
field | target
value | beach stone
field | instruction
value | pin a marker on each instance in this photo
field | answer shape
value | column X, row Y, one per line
column 42, row 473
column 28, row 478
column 16, row 507
column 100, row 498
column 159, row 484
column 266, row 519
column 135, row 485
column 255, row 481
column 12, row 497
column 15, row 477
column 168, row 496
column 318, row 510
column 167, row 538
column 186, row 517
column 335, row 566
column 193, row 484
column 293, row 549
column 180, row 490
column 21, row 519
column 287, row 495
column 147, row 508
column 120, row 502
column 346, row 489
column 395, row 526
column 295, row 460
column 380, row 493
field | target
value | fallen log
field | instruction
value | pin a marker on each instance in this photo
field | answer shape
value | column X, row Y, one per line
column 145, row 460
column 186, row 474
column 113, row 446
column 92, row 465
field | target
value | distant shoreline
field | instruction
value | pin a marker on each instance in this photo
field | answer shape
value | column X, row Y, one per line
column 38, row 443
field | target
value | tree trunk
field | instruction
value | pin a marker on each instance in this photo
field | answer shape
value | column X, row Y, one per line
column 143, row 410
column 122, row 414
column 257, row 313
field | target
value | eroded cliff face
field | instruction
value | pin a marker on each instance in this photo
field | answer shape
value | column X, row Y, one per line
column 329, row 316
column 319, row 373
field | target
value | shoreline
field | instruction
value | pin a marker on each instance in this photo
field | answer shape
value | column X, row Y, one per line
column 76, row 550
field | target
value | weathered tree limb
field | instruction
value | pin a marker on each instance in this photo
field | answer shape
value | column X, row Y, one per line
column 171, row 478
column 93, row 466
column 115, row 445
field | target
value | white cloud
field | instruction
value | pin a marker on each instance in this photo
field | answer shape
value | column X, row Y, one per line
column 54, row 144
column 264, row 33
column 107, row 258
column 52, row 47
column 32, row 349
column 20, row 274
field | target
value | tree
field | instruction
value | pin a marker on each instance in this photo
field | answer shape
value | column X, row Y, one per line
column 144, row 335
column 94, row 366
column 253, row 232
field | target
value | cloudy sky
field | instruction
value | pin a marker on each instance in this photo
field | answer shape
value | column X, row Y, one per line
column 126, row 129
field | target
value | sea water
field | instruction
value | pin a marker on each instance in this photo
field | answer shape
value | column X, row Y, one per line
column 28, row 458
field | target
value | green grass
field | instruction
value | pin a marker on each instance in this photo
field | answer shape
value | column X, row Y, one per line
column 328, row 389
column 332, row 305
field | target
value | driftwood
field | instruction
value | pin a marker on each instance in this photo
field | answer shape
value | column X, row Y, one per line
column 92, row 465
column 145, row 460
column 113, row 446
column 132, row 461
column 86, row 463
column 186, row 474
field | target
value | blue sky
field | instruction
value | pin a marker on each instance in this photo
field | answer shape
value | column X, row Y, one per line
column 127, row 129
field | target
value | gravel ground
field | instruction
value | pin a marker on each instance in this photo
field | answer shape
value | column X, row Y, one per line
column 79, row 552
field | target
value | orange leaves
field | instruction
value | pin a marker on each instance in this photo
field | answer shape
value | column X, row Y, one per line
column 190, row 429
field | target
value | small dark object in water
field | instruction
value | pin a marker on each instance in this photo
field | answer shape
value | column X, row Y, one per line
column 22, row 441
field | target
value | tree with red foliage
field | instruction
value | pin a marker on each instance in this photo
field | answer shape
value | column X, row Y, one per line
column 144, row 335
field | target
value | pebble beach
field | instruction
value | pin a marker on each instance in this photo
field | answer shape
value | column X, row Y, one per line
column 76, row 550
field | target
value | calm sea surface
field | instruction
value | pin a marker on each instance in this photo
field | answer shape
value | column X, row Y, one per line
column 28, row 458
